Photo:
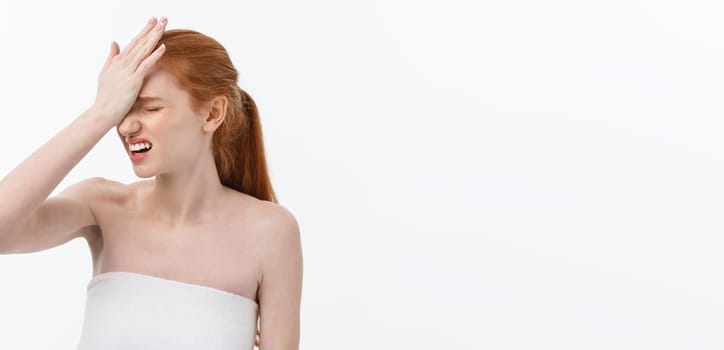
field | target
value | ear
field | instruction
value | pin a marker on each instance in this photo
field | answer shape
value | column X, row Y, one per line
column 216, row 113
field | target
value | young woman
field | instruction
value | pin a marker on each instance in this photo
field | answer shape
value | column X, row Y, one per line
column 201, row 255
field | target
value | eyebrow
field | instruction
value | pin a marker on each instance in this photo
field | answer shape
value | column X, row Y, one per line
column 148, row 98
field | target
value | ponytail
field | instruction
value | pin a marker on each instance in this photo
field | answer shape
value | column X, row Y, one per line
column 239, row 149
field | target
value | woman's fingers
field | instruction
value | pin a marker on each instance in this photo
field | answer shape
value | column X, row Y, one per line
column 134, row 42
column 114, row 51
column 146, row 45
column 149, row 62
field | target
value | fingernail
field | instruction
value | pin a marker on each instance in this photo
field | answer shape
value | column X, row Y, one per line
column 152, row 19
column 161, row 23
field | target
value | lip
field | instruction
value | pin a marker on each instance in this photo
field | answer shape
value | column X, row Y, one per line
column 136, row 140
column 138, row 157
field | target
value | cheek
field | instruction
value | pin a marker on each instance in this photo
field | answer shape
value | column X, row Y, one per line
column 180, row 133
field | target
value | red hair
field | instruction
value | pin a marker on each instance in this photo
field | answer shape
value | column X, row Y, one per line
column 202, row 67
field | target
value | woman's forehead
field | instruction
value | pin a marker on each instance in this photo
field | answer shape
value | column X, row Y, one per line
column 160, row 84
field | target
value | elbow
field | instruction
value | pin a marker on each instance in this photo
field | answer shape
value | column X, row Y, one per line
column 7, row 244
column 7, row 224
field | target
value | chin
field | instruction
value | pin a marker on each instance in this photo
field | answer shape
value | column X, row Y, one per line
column 144, row 174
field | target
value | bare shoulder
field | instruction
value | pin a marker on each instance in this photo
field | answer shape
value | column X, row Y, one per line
column 274, row 221
column 89, row 190
column 98, row 193
column 271, row 224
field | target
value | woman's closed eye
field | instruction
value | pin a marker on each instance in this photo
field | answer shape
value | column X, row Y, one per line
column 152, row 109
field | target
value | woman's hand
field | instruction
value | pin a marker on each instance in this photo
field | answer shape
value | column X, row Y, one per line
column 123, row 73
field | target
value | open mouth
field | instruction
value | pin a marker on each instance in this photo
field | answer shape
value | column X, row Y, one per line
column 143, row 150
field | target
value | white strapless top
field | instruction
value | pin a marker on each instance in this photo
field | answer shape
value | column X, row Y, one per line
column 128, row 310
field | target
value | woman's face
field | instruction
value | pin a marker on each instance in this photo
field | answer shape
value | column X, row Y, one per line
column 162, row 116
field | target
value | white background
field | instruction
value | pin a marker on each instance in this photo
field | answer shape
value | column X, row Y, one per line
column 466, row 175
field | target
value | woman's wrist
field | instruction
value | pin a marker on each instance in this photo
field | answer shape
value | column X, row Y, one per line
column 99, row 116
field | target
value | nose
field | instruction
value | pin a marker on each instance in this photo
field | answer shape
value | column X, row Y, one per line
column 130, row 125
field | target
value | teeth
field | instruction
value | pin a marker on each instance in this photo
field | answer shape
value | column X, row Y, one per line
column 139, row 146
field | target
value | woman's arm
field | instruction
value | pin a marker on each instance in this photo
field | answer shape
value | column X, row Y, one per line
column 26, row 188
column 281, row 284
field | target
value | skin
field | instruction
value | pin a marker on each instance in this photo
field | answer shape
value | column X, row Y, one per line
column 181, row 223
column 250, row 247
column 186, row 187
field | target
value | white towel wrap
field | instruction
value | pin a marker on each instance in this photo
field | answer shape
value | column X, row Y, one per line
column 127, row 310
